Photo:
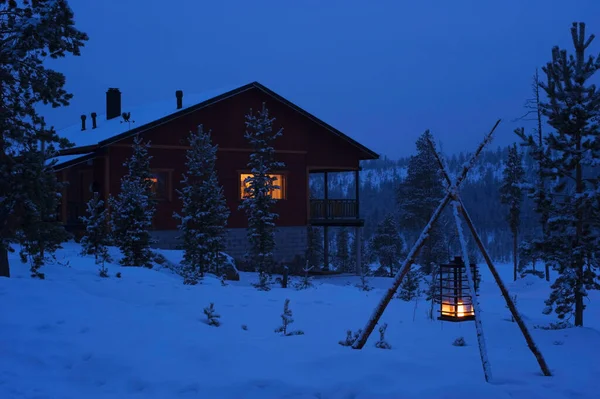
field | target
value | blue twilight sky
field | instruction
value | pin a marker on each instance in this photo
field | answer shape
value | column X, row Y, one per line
column 381, row 71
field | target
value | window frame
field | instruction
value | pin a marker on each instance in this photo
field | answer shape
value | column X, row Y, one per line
column 168, row 197
column 283, row 187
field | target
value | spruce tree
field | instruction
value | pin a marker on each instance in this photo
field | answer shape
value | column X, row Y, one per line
column 410, row 288
column 314, row 250
column 204, row 213
column 133, row 208
column 97, row 236
column 418, row 196
column 387, row 245
column 25, row 83
column 258, row 202
column 511, row 194
column 537, row 191
column 342, row 253
column 571, row 161
column 40, row 234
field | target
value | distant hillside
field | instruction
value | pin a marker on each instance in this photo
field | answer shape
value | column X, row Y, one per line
column 480, row 192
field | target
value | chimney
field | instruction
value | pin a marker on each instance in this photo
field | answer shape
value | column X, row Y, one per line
column 179, row 95
column 82, row 122
column 94, row 120
column 113, row 103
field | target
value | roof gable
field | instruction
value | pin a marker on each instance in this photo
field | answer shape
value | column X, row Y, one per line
column 149, row 116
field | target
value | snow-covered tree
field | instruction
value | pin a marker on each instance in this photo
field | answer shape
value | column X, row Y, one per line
column 418, row 196
column 386, row 245
column 133, row 209
column 286, row 320
column 40, row 234
column 511, row 194
column 26, row 83
column 537, row 191
column 204, row 214
column 570, row 162
column 410, row 288
column 382, row 343
column 342, row 252
column 97, row 236
column 258, row 201
column 212, row 317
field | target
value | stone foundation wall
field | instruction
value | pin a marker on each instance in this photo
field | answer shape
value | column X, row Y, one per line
column 290, row 242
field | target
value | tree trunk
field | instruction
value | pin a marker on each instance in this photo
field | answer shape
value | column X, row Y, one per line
column 515, row 256
column 580, row 256
column 4, row 266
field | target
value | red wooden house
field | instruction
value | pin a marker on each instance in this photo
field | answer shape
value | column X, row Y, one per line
column 308, row 145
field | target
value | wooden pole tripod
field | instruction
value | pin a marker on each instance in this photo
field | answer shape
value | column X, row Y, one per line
column 453, row 196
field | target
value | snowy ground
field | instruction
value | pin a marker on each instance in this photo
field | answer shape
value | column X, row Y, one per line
column 76, row 335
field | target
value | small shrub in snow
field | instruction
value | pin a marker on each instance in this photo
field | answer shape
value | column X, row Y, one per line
column 286, row 318
column 558, row 343
column 212, row 316
column 305, row 281
column 382, row 343
column 537, row 273
column 409, row 288
column 460, row 341
column 561, row 325
column 244, row 327
column 350, row 338
column 363, row 285
column 223, row 279
column 118, row 275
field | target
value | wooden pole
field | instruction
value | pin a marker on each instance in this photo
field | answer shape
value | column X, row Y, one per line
column 485, row 362
column 410, row 259
column 509, row 302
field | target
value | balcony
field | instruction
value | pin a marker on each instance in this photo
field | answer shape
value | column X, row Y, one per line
column 334, row 212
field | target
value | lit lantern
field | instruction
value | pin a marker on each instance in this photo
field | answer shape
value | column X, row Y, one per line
column 456, row 302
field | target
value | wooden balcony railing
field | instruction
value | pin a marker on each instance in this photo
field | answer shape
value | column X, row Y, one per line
column 326, row 209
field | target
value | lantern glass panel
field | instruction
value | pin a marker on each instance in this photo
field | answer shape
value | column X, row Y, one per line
column 456, row 303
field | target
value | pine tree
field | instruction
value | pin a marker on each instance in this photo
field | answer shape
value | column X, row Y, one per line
column 258, row 202
column 538, row 191
column 286, row 320
column 97, row 235
column 41, row 233
column 133, row 209
column 342, row 253
column 511, row 194
column 204, row 213
column 387, row 245
column 21, row 127
column 410, row 286
column 418, row 196
column 571, row 160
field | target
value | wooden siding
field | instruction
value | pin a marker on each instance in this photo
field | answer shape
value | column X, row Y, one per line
column 303, row 145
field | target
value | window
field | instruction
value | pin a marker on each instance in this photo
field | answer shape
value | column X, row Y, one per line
column 277, row 193
column 161, row 185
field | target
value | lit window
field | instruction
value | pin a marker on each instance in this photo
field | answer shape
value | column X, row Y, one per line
column 277, row 193
column 160, row 185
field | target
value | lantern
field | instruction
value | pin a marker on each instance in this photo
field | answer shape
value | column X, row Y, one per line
column 456, row 302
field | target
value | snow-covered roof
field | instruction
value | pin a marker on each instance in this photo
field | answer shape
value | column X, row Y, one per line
column 108, row 131
column 62, row 160
column 142, row 115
